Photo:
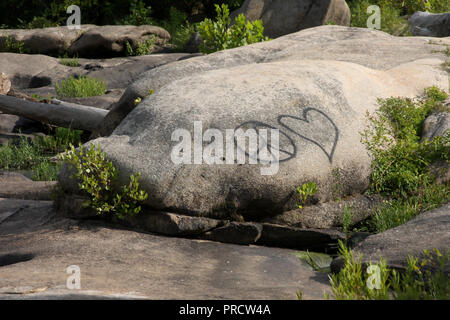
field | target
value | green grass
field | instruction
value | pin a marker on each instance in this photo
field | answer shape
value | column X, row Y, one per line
column 399, row 211
column 80, row 87
column 347, row 219
column 70, row 62
column 422, row 280
column 34, row 154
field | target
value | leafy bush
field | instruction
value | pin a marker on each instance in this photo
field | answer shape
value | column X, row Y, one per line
column 217, row 36
column 80, row 87
column 416, row 282
column 400, row 160
column 140, row 14
column 97, row 178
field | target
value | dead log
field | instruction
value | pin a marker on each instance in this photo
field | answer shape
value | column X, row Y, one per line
column 57, row 113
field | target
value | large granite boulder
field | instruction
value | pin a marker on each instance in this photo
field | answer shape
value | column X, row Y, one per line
column 370, row 48
column 281, row 17
column 427, row 24
column 429, row 230
column 314, row 86
column 88, row 41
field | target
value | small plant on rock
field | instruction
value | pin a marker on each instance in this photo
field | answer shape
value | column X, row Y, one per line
column 98, row 177
column 69, row 62
column 143, row 48
column 305, row 191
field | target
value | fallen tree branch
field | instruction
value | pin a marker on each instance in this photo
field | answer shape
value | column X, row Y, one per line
column 57, row 113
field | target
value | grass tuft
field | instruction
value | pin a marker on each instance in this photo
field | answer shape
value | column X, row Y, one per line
column 80, row 87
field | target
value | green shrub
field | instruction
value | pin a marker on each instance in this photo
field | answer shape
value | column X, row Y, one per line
column 98, row 177
column 391, row 20
column 416, row 282
column 143, row 48
column 9, row 44
column 305, row 191
column 37, row 22
column 80, row 87
column 217, row 36
column 400, row 161
column 140, row 14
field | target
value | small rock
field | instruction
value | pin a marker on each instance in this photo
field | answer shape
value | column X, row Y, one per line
column 329, row 214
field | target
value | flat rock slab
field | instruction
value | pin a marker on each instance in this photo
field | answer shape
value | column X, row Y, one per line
column 122, row 264
column 429, row 230
column 15, row 185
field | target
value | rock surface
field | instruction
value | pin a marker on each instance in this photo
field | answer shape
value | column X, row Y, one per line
column 427, row 24
column 90, row 41
column 17, row 186
column 36, row 247
column 436, row 124
column 236, row 232
column 281, row 17
column 315, row 86
column 36, row 71
column 427, row 231
column 328, row 215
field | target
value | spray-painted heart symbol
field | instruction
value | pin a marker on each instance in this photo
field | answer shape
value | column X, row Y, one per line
column 316, row 131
